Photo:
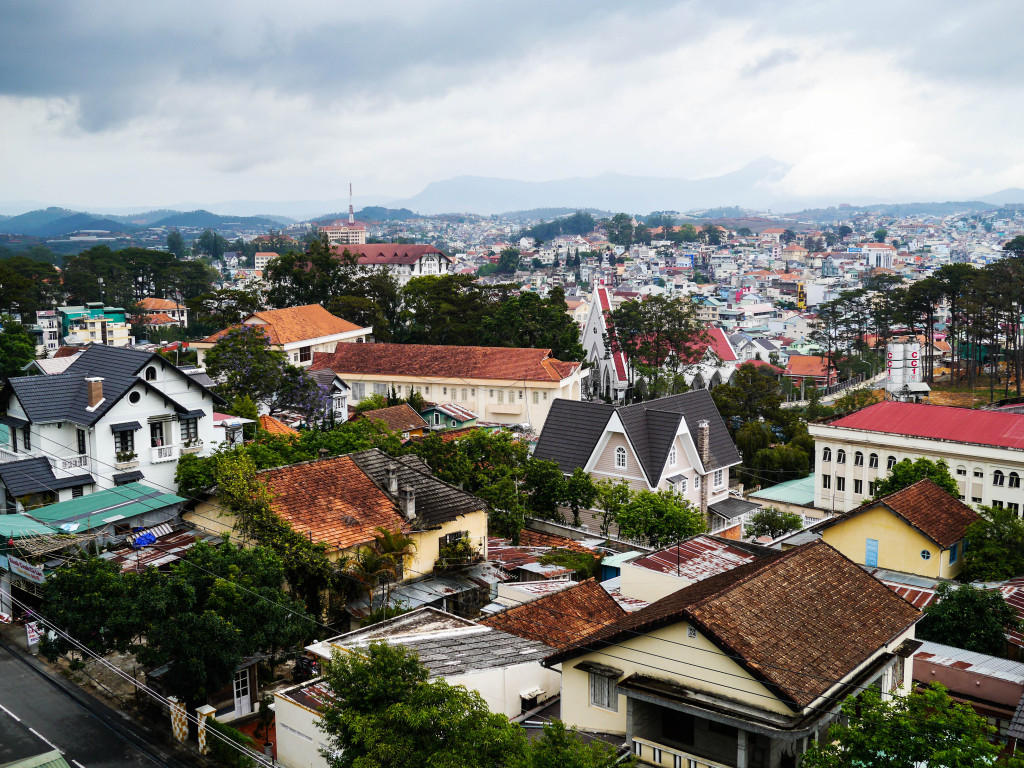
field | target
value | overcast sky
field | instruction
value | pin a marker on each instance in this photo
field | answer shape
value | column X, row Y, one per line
column 137, row 103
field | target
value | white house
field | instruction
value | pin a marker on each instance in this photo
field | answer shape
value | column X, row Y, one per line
column 404, row 262
column 113, row 417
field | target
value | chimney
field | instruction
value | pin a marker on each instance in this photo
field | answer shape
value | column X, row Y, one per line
column 704, row 449
column 407, row 502
column 391, row 475
column 95, row 385
column 323, row 453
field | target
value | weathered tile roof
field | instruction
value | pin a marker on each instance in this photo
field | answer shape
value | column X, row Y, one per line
column 799, row 621
column 925, row 506
column 284, row 326
column 560, row 619
column 573, row 429
column 445, row 362
column 398, row 418
column 389, row 253
column 332, row 500
column 275, row 426
column 151, row 304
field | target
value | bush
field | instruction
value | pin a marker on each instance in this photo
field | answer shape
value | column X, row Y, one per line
column 226, row 750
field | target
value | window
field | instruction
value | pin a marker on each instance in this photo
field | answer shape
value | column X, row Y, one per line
column 954, row 553
column 124, row 442
column 472, row 392
column 81, row 442
column 858, row 459
column 380, row 388
column 603, row 693
column 826, row 481
column 156, row 434
column 840, row 483
column 536, row 398
column 890, row 463
column 26, row 438
column 873, row 461
column 444, row 391
column 976, row 499
column 1014, row 507
column 979, row 473
column 189, row 429
column 501, row 396
column 426, row 390
column 681, row 485
column 826, row 454
column 962, row 471
column 719, row 478
column 858, row 487
column 151, row 373
column 998, row 478
column 134, row 398
column 926, row 555
column 620, row 458
column 77, row 491
column 696, row 482
column 359, row 390
column 437, row 418
column 871, row 488
column 545, row 395
column 1014, row 480
column 464, row 398
column 840, row 456
column 997, row 504
column 672, row 458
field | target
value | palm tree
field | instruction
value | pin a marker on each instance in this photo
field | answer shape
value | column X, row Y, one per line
column 369, row 568
column 396, row 547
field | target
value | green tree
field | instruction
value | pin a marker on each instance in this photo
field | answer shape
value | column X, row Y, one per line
column 27, row 285
column 212, row 244
column 908, row 472
column 880, row 235
column 546, row 488
column 527, row 320
column 925, row 727
column 659, row 518
column 508, row 261
column 997, row 546
column 175, row 243
column 612, row 497
column 969, row 618
column 779, row 463
column 773, row 523
column 580, row 492
column 385, row 714
column 1015, row 246
column 17, row 348
column 620, row 230
column 753, row 394
column 443, row 309
column 844, row 231
column 562, row 747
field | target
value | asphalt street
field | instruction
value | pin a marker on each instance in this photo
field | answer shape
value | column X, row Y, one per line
column 88, row 733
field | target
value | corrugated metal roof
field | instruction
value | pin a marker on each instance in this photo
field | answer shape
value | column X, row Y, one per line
column 21, row 526
column 98, row 509
column 977, row 663
column 696, row 559
column 800, row 492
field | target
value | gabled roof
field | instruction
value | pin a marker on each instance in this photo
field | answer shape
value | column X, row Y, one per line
column 64, row 396
column 807, row 365
column 292, row 324
column 445, row 362
column 560, row 619
column 275, row 426
column 573, row 429
column 398, row 418
column 35, row 475
column 389, row 253
column 151, row 304
column 798, row 621
column 939, row 422
column 924, row 506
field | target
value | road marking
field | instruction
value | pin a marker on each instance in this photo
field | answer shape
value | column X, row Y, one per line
column 5, row 709
column 37, row 733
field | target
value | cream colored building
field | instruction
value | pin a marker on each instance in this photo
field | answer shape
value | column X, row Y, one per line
column 803, row 629
column 502, row 385
column 984, row 451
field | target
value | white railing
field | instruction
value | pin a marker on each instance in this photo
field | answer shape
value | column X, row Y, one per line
column 164, row 453
column 653, row 753
column 71, row 462
column 8, row 455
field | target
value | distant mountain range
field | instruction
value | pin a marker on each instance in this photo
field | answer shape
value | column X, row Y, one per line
column 56, row 222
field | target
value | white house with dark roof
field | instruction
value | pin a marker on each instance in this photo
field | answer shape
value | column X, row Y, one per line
column 675, row 443
column 115, row 416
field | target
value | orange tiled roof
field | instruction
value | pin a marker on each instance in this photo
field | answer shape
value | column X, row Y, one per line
column 444, row 362
column 806, row 365
column 332, row 500
column 150, row 304
column 276, row 426
column 398, row 418
column 159, row 318
column 563, row 618
column 284, row 326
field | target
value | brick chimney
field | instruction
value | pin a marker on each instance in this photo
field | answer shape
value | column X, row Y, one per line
column 391, row 475
column 704, row 449
column 95, row 389
column 407, row 502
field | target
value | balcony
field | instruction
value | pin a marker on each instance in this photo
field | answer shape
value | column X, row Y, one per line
column 195, row 446
column 162, row 453
column 71, row 463
column 653, row 753
column 6, row 454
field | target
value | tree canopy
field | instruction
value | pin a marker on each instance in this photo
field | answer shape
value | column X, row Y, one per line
column 17, row 348
column 908, row 472
column 659, row 518
column 996, row 549
column 773, row 523
column 969, row 618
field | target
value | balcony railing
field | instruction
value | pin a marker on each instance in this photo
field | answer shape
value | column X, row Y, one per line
column 8, row 455
column 163, row 453
column 68, row 463
column 196, row 447
column 653, row 753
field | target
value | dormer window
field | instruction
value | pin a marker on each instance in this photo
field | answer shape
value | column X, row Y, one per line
column 151, row 373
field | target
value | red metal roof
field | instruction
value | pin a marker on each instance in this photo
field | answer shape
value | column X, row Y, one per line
column 939, row 422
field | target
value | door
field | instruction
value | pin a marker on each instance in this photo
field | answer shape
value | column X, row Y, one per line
column 243, row 701
column 156, row 434
column 871, row 553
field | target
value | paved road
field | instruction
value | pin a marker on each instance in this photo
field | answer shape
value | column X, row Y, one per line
column 88, row 734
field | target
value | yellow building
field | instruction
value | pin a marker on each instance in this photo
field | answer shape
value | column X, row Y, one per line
column 743, row 668
column 342, row 501
column 919, row 529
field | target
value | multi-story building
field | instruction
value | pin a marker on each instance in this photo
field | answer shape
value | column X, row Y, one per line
column 95, row 323
column 984, row 451
column 49, row 325
column 501, row 385
column 175, row 313
column 344, row 233
column 299, row 332
column 404, row 262
column 87, row 428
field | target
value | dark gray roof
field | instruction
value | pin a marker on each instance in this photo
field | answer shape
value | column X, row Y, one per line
column 125, row 426
column 64, row 396
column 573, row 429
column 571, row 432
column 437, row 502
column 131, row 476
column 35, row 475
column 325, row 377
column 732, row 507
